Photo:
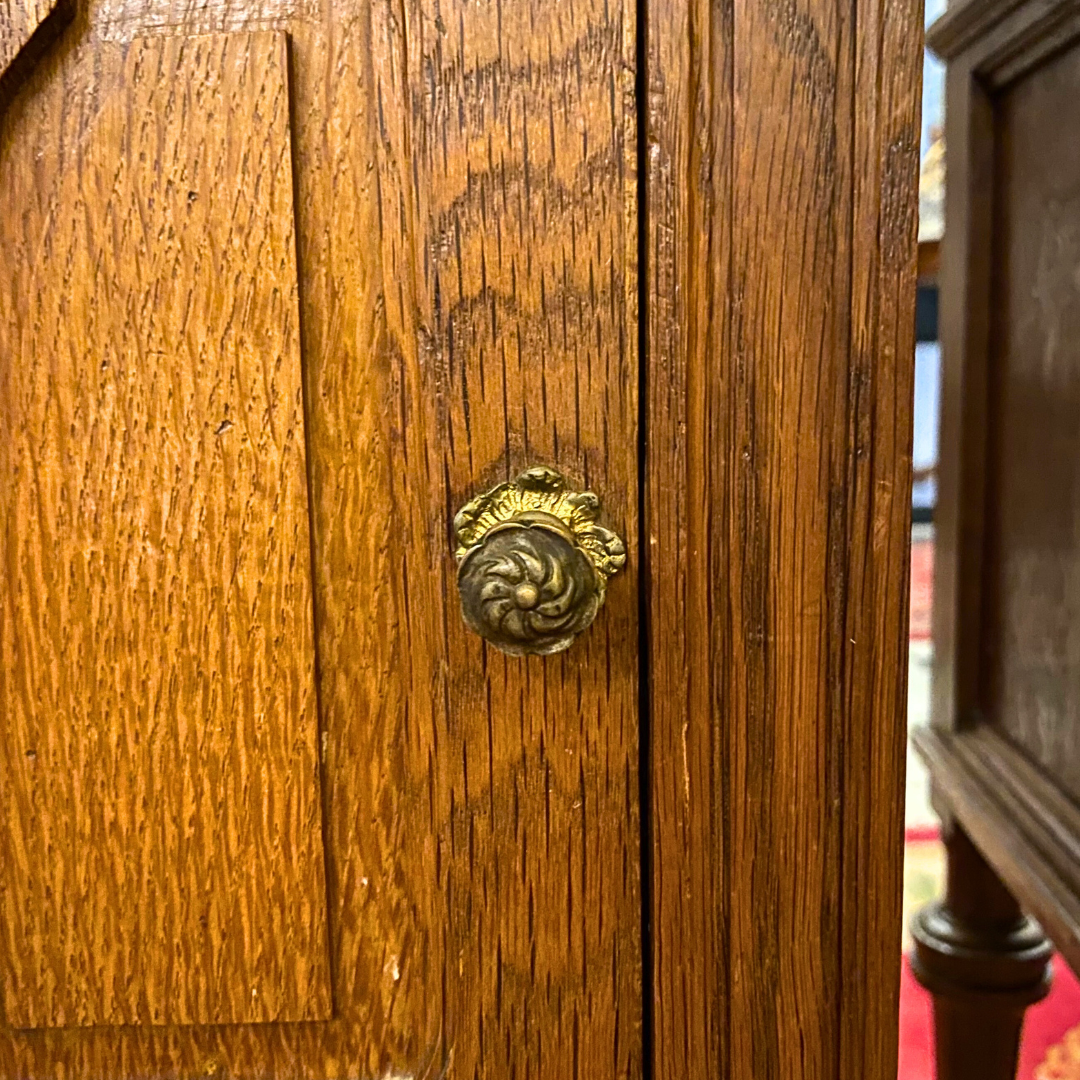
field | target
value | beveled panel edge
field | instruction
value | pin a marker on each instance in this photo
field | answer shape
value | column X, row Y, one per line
column 16, row 65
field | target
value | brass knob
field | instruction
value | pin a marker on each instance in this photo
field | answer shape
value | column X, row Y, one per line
column 533, row 563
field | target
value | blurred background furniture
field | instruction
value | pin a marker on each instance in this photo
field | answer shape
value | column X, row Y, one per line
column 1004, row 746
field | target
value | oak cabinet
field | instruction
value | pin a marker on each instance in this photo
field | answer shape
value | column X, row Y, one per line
column 283, row 286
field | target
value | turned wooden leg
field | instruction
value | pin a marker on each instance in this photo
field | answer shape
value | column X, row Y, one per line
column 984, row 962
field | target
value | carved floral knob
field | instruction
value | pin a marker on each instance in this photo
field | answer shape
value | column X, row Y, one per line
column 532, row 563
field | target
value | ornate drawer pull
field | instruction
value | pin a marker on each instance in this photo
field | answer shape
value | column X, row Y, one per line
column 532, row 562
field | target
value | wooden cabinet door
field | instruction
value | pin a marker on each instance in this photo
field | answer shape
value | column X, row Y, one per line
column 283, row 285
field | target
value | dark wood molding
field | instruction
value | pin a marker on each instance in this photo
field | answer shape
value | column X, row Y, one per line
column 965, row 335
column 1005, row 38
column 1025, row 39
column 965, row 23
column 1026, row 828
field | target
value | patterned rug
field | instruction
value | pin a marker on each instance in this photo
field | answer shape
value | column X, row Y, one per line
column 1050, row 1048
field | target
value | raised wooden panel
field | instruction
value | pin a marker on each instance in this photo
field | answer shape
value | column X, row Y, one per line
column 160, row 829
column 782, row 154
column 25, row 27
column 18, row 21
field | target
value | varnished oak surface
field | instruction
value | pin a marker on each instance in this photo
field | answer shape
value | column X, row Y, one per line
column 19, row 19
column 466, row 231
column 466, row 217
column 160, row 830
column 508, row 233
column 782, row 149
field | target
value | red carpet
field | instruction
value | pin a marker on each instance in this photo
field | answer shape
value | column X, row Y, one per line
column 1050, row 1048
column 922, row 588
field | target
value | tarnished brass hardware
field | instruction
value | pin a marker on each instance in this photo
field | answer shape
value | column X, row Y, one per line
column 533, row 563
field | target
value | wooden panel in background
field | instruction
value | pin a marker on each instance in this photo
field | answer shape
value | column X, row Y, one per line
column 161, row 825
column 1031, row 631
column 783, row 148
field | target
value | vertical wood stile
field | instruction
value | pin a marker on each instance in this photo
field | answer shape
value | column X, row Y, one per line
column 508, row 233
column 781, row 300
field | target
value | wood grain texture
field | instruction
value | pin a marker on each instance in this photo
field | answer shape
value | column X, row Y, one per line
column 782, row 149
column 123, row 20
column 870, row 562
column 386, row 998
column 518, row 816
column 466, row 208
column 161, row 835
column 508, row 238
column 1031, row 624
column 687, row 472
